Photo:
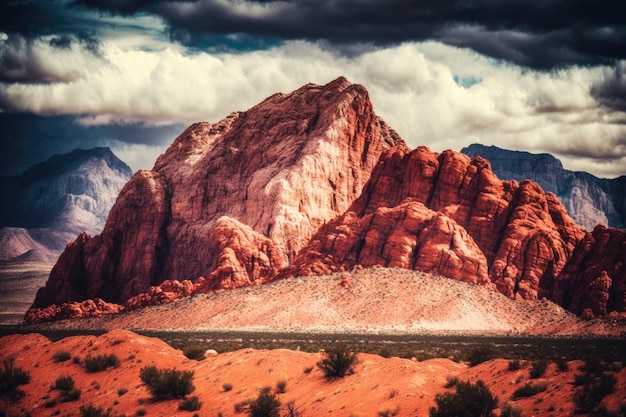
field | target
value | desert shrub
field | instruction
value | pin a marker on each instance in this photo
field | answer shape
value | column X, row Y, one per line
column 265, row 405
column 122, row 391
column 480, row 354
column 63, row 383
column 510, row 410
column 99, row 363
column 241, row 405
column 61, row 356
column 93, row 411
column 583, row 379
column 195, row 352
column 515, row 365
column 281, row 386
column 71, row 395
column 308, row 369
column 337, row 362
column 227, row 386
column 538, row 368
column 11, row 378
column 190, row 404
column 141, row 411
column 76, row 360
column 562, row 364
column 470, row 400
column 529, row 390
column 451, row 380
column 163, row 383
column 590, row 395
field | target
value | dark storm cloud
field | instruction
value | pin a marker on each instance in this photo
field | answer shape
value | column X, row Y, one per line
column 534, row 33
column 612, row 91
column 27, row 139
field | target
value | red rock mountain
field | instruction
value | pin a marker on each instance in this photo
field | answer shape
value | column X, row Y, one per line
column 234, row 201
column 448, row 214
column 283, row 189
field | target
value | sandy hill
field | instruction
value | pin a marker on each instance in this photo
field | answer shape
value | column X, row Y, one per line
column 377, row 300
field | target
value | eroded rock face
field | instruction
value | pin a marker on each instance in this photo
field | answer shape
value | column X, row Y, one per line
column 449, row 214
column 234, row 201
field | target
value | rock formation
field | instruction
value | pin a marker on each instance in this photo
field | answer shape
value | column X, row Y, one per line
column 589, row 200
column 449, row 214
column 50, row 203
column 233, row 201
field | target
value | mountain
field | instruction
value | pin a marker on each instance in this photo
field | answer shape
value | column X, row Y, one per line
column 313, row 182
column 50, row 203
column 589, row 200
column 232, row 202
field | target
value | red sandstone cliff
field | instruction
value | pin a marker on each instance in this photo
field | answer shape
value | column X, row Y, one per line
column 234, row 201
column 449, row 214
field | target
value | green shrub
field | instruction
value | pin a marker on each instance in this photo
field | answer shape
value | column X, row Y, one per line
column 99, row 363
column 61, row 356
column 266, row 405
column 538, row 368
column 11, row 378
column 93, row 411
column 480, row 354
column 63, row 383
column 510, row 410
column 194, row 352
column 470, row 400
column 163, row 383
column 515, row 365
column 529, row 390
column 338, row 362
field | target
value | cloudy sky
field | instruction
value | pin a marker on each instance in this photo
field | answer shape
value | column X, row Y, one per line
column 534, row 75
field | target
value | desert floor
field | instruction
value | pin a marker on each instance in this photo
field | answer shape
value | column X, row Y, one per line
column 379, row 386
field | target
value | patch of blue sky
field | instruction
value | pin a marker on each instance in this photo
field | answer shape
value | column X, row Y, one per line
column 467, row 82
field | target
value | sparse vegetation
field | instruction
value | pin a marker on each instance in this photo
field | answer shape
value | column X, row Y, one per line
column 93, row 411
column 510, row 410
column 122, row 391
column 141, row 411
column 480, row 354
column 190, row 404
column 338, row 362
column 61, row 356
column 451, row 381
column 164, row 383
column 515, row 365
column 562, row 364
column 538, row 368
column 530, row 389
column 195, row 352
column 281, row 386
column 98, row 363
column 241, row 405
column 589, row 396
column 227, row 386
column 470, row 400
column 63, row 383
column 11, row 378
column 265, row 405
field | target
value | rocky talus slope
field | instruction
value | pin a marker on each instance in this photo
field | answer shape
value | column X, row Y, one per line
column 314, row 182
